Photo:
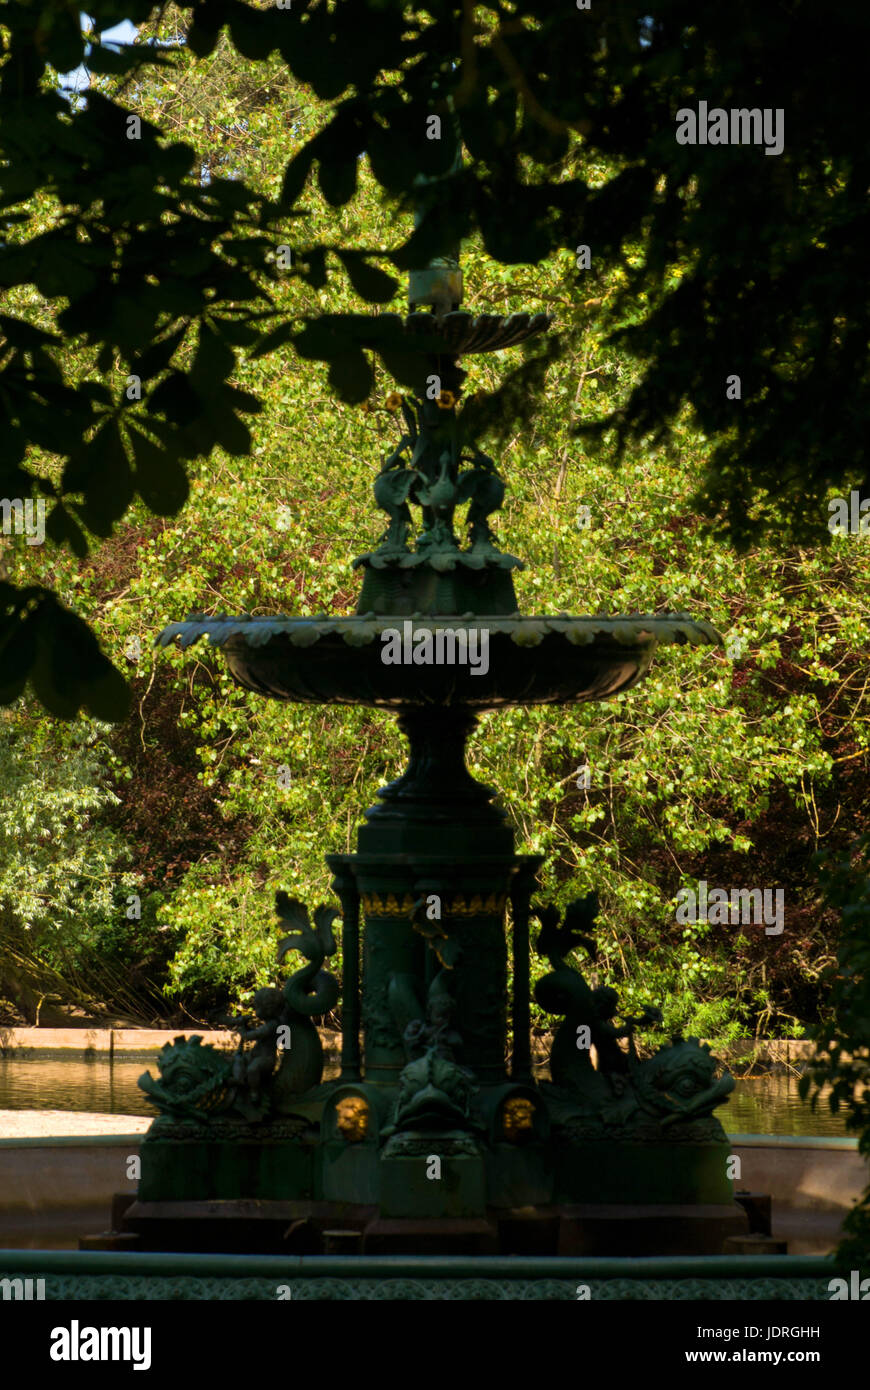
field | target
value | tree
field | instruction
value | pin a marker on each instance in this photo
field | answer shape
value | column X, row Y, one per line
column 731, row 766
column 842, row 1061
column 743, row 265
column 132, row 253
column 63, row 869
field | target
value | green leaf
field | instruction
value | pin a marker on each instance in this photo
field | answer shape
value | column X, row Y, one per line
column 243, row 401
column 236, row 331
column 324, row 338
column 158, row 356
column 17, row 655
column 107, row 62
column 369, row 282
column 25, row 335
column 159, row 478
column 337, row 179
column 213, row 363
column 175, row 399
column 230, row 432
column 208, row 20
column 60, row 527
column 410, row 369
column 107, row 695
column 296, row 174
column 254, row 32
column 351, row 376
column 62, row 39
column 278, row 337
column 101, row 471
column 314, row 267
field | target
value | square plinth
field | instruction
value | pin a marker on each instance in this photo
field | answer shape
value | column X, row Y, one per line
column 655, row 1229
column 430, row 1187
column 444, row 1237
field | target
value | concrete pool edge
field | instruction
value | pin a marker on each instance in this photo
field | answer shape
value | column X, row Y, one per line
column 772, row 1051
column 73, row 1141
column 798, row 1141
column 106, row 1041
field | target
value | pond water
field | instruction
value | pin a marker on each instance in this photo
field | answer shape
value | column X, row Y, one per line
column 767, row 1104
column 771, row 1105
column 60, row 1082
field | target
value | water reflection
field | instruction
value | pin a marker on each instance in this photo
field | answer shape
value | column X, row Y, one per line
column 758, row 1105
column 64, row 1083
column 61, row 1082
column 771, row 1105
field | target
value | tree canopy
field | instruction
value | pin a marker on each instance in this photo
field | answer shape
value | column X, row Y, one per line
column 721, row 764
column 733, row 262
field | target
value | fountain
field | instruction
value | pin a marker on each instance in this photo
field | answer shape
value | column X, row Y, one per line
column 429, row 1141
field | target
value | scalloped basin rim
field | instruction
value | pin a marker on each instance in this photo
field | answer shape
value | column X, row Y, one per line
column 635, row 629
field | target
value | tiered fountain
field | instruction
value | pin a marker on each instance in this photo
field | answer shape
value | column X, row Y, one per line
column 429, row 1140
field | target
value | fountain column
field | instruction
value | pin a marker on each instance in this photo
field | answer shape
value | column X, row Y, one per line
column 434, row 869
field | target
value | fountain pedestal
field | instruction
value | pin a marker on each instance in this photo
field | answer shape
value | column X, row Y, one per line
column 432, row 1137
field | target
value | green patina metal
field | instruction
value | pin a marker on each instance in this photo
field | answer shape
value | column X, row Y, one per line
column 350, row 1288
column 101, row 1275
column 424, row 900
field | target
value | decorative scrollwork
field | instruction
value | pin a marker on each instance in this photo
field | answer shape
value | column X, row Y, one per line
column 188, row 1288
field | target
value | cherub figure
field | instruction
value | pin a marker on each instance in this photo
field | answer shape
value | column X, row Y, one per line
column 434, row 1034
column 252, row 1071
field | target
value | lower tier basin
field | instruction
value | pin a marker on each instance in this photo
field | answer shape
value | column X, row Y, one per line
column 478, row 662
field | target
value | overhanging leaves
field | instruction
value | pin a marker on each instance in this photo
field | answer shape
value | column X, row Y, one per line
column 369, row 282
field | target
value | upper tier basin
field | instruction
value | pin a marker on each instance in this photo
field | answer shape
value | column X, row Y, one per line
column 340, row 660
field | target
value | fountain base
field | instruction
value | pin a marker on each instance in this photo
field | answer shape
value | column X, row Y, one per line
column 432, row 1137
column 308, row 1227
